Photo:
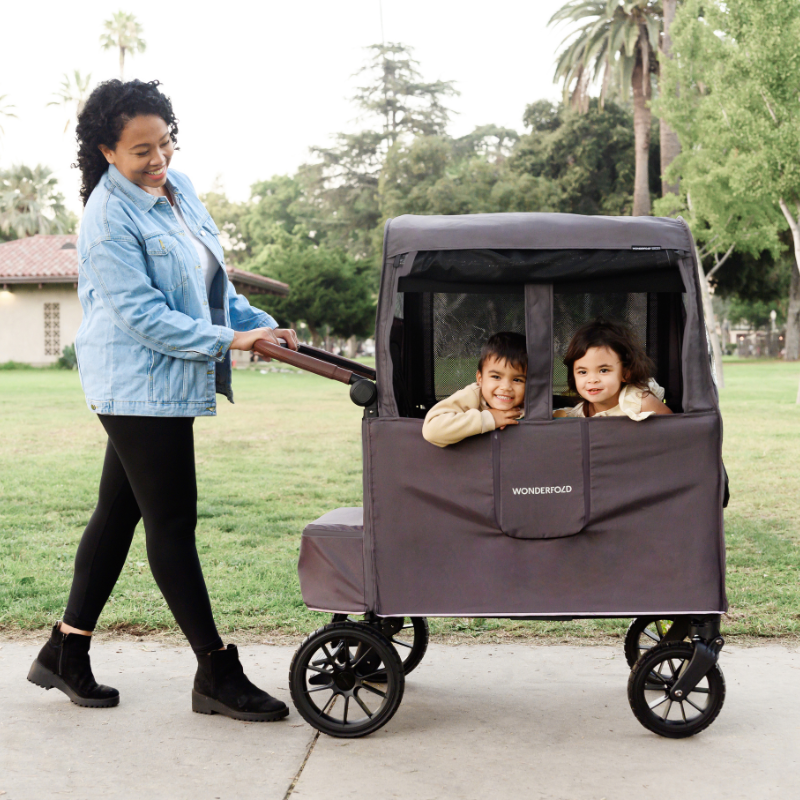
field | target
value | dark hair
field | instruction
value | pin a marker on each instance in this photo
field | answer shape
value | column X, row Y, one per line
column 636, row 366
column 506, row 346
column 109, row 108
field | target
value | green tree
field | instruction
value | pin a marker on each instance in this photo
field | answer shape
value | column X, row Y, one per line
column 737, row 109
column 123, row 32
column 669, row 144
column 620, row 36
column 72, row 95
column 328, row 288
column 31, row 203
column 586, row 157
column 341, row 188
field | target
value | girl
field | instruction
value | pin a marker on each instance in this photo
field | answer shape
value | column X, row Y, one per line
column 608, row 368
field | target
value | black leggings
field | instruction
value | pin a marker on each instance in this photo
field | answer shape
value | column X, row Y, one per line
column 148, row 474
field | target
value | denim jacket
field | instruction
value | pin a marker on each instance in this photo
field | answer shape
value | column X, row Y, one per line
column 151, row 342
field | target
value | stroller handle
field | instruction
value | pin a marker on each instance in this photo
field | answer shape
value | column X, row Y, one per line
column 313, row 360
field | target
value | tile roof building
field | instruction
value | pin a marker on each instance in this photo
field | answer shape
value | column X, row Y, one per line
column 39, row 308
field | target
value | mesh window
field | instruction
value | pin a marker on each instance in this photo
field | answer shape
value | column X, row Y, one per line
column 461, row 325
column 570, row 311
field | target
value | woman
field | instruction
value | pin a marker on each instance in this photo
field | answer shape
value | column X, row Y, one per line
column 159, row 317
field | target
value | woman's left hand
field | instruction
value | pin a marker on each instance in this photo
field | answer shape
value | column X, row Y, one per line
column 288, row 335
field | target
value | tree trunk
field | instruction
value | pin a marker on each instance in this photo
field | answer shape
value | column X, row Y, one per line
column 641, row 134
column 670, row 147
column 316, row 339
column 711, row 323
column 352, row 347
column 122, row 63
column 792, row 351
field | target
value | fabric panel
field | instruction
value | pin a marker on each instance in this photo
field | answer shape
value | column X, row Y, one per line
column 539, row 488
column 539, row 337
column 652, row 541
column 533, row 231
column 331, row 564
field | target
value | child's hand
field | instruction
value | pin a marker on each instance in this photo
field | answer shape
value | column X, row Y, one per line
column 503, row 418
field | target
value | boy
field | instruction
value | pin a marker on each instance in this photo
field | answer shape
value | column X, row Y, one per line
column 492, row 402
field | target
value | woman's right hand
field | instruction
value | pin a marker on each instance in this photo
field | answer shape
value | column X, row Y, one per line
column 244, row 340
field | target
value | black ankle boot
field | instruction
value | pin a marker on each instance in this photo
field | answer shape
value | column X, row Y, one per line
column 221, row 687
column 63, row 663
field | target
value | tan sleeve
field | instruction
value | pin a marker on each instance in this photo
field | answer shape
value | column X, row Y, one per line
column 457, row 417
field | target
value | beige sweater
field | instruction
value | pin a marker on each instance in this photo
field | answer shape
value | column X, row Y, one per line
column 463, row 414
column 630, row 404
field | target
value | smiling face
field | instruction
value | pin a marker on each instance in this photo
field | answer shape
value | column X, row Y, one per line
column 599, row 376
column 143, row 153
column 502, row 384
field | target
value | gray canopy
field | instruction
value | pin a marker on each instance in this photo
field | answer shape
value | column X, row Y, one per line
column 569, row 517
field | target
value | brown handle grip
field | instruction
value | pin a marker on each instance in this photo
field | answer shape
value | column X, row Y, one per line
column 309, row 364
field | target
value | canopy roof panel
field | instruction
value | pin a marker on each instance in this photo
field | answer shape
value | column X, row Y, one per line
column 534, row 231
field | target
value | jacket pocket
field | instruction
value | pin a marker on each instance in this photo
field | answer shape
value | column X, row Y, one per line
column 541, row 485
column 168, row 378
column 166, row 266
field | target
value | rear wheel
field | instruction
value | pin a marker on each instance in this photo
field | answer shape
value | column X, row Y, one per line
column 643, row 634
column 651, row 679
column 408, row 635
column 357, row 684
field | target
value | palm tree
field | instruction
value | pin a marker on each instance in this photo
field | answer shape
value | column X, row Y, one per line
column 30, row 203
column 619, row 37
column 669, row 145
column 73, row 90
column 5, row 110
column 124, row 32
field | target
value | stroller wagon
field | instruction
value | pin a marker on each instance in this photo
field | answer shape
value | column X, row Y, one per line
column 469, row 530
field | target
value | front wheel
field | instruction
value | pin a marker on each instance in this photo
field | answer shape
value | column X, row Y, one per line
column 346, row 680
column 651, row 679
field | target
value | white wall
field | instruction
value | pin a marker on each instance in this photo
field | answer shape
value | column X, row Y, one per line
column 22, row 329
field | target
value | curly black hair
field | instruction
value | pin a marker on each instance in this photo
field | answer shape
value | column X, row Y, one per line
column 109, row 108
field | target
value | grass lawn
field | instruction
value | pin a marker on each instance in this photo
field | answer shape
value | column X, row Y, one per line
column 288, row 451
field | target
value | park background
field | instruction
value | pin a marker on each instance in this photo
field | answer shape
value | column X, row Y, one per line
column 304, row 128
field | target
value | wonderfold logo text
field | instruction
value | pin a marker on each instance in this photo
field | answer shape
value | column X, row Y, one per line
column 541, row 489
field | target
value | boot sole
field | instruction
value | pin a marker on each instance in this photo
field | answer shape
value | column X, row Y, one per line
column 207, row 705
column 47, row 679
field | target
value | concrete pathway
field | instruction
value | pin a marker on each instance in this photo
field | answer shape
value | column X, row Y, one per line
column 477, row 721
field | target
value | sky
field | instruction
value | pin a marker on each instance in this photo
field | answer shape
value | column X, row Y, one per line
column 256, row 84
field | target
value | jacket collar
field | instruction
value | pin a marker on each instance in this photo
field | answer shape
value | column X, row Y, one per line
column 138, row 196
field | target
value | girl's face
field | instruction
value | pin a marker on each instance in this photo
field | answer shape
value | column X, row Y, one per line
column 143, row 153
column 502, row 385
column 599, row 376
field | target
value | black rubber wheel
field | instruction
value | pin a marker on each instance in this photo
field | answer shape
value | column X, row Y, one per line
column 408, row 635
column 648, row 692
column 351, row 701
column 643, row 634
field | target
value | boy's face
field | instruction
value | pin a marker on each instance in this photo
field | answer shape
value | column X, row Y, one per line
column 502, row 385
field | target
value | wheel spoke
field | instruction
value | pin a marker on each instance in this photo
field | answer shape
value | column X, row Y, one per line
column 329, row 705
column 361, row 657
column 657, row 703
column 701, row 690
column 402, row 644
column 328, row 652
column 650, row 635
column 364, row 707
column 373, row 690
column 317, row 669
column 657, row 676
column 701, row 710
column 683, row 712
column 406, row 627
column 328, row 687
column 660, row 629
column 652, row 687
column 669, row 708
column 371, row 676
column 346, row 705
